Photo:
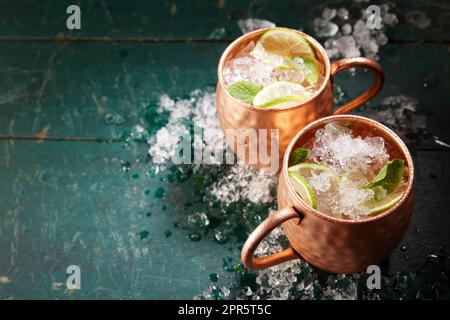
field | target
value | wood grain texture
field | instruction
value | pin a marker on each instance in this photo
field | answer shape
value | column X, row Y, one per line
column 71, row 203
column 64, row 196
column 59, row 88
column 182, row 20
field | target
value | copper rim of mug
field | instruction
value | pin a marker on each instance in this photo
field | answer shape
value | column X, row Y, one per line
column 316, row 46
column 399, row 144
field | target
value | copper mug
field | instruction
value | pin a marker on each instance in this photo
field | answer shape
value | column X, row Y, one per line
column 237, row 115
column 328, row 243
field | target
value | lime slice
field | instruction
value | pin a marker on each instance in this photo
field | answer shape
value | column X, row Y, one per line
column 379, row 206
column 281, row 94
column 285, row 42
column 284, row 102
column 302, row 187
column 308, row 66
column 306, row 169
column 299, row 175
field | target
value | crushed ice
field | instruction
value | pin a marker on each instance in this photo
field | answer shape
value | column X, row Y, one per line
column 347, row 37
column 355, row 157
column 238, row 181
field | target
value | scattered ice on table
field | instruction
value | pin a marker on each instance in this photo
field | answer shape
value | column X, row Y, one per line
column 440, row 142
column 346, row 46
column 381, row 39
column 346, row 36
column 198, row 220
column 138, row 133
column 214, row 293
column 389, row 19
column 329, row 13
column 325, row 28
column 346, row 29
column 217, row 34
column 251, row 24
column 365, row 40
column 199, row 108
column 238, row 182
column 401, row 114
column 114, row 119
column 343, row 13
column 418, row 19
column 429, row 81
column 295, row 279
column 205, row 119
column 244, row 183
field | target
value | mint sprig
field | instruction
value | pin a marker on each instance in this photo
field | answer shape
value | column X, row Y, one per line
column 298, row 155
column 244, row 90
column 389, row 176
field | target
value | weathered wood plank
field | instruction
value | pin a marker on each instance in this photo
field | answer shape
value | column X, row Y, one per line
column 71, row 203
column 70, row 90
column 197, row 19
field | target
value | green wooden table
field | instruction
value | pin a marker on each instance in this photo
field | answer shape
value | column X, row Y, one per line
column 76, row 190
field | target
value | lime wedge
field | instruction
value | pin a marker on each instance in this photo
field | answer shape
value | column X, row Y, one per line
column 379, row 206
column 281, row 94
column 302, row 187
column 285, row 42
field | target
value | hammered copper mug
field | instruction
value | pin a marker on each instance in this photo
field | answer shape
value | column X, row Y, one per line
column 328, row 243
column 237, row 115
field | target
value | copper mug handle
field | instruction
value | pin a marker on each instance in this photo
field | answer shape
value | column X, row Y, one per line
column 343, row 64
column 255, row 238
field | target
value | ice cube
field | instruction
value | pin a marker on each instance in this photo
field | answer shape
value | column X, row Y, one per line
column 389, row 19
column 261, row 54
column 346, row 29
column 251, row 24
column 343, row 13
column 329, row 13
column 418, row 19
column 217, row 34
column 347, row 47
column 325, row 28
column 247, row 68
column 321, row 182
column 288, row 75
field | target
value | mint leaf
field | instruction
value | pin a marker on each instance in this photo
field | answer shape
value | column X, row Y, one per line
column 389, row 176
column 298, row 155
column 244, row 90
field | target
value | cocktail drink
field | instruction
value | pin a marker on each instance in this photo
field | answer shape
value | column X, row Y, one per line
column 278, row 70
column 346, row 175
